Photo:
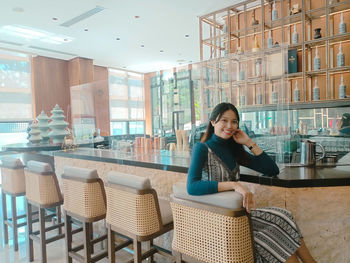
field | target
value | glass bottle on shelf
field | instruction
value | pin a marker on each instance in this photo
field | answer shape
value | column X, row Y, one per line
column 296, row 92
column 274, row 95
column 258, row 63
column 295, row 36
column 340, row 57
column 241, row 72
column 316, row 91
column 274, row 14
column 259, row 97
column 317, row 62
column 342, row 25
column 342, row 88
column 270, row 40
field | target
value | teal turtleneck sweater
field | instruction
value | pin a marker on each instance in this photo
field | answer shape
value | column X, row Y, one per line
column 225, row 149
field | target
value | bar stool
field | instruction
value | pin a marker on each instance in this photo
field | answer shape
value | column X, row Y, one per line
column 42, row 192
column 133, row 210
column 210, row 228
column 85, row 201
column 13, row 184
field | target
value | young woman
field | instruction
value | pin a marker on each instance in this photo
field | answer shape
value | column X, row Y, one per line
column 215, row 167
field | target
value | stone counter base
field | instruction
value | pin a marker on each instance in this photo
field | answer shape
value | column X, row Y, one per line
column 322, row 214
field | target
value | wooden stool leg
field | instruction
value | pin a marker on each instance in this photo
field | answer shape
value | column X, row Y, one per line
column 91, row 237
column 150, row 245
column 111, row 245
column 4, row 213
column 42, row 235
column 59, row 218
column 14, row 222
column 29, row 232
column 68, row 236
column 87, row 245
column 137, row 251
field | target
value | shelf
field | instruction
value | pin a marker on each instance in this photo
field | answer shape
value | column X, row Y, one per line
column 339, row 69
column 294, row 75
column 295, row 46
column 338, row 38
column 288, row 20
column 316, row 72
column 298, row 105
column 315, row 13
column 339, row 6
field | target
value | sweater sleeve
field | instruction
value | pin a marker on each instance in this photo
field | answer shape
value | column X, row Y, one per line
column 263, row 164
column 195, row 184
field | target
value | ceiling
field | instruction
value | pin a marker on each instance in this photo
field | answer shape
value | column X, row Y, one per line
column 162, row 26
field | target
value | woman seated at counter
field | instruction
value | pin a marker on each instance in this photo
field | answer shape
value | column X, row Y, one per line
column 215, row 167
column 344, row 125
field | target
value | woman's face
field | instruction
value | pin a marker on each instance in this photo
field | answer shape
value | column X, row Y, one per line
column 226, row 125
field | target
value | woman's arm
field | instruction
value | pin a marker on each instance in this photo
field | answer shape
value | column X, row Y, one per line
column 195, row 185
column 259, row 161
column 248, row 200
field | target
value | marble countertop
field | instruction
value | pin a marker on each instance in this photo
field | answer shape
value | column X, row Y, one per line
column 179, row 161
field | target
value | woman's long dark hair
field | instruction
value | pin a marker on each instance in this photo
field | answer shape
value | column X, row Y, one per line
column 218, row 111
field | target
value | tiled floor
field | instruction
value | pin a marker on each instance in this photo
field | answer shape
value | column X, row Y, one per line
column 55, row 250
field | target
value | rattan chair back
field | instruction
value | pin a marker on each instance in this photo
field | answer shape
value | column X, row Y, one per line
column 41, row 184
column 209, row 233
column 12, row 172
column 135, row 211
column 84, row 197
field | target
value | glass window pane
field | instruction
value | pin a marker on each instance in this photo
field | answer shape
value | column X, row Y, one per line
column 119, row 113
column 119, row 128
column 136, row 127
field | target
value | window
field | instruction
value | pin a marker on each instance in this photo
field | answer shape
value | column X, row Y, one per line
column 127, row 106
column 16, row 103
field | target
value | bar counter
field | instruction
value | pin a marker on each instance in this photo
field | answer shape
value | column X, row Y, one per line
column 319, row 198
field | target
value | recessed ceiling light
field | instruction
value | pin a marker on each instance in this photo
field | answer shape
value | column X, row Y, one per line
column 118, row 38
column 54, row 18
column 161, row 51
column 190, row 61
column 86, row 29
column 18, row 9
column 187, row 35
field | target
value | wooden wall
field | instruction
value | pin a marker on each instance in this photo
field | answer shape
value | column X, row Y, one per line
column 51, row 82
column 50, row 85
column 148, row 105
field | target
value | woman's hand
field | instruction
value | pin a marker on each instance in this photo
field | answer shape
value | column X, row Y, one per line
column 248, row 198
column 241, row 137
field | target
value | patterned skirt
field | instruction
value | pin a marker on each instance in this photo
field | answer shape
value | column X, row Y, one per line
column 276, row 235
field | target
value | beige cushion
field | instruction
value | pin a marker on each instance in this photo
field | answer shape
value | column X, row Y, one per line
column 165, row 211
column 230, row 199
column 39, row 167
column 11, row 162
column 78, row 172
column 129, row 180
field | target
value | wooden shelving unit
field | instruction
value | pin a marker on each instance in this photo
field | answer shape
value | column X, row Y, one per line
column 222, row 31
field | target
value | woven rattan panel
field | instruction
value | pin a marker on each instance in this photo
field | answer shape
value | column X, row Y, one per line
column 13, row 180
column 211, row 237
column 84, row 199
column 134, row 213
column 41, row 188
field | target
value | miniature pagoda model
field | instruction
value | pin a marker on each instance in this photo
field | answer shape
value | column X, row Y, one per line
column 57, row 125
column 43, row 125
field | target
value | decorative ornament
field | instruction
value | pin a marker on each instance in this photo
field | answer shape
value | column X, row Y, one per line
column 58, row 125
column 43, row 125
column 35, row 136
